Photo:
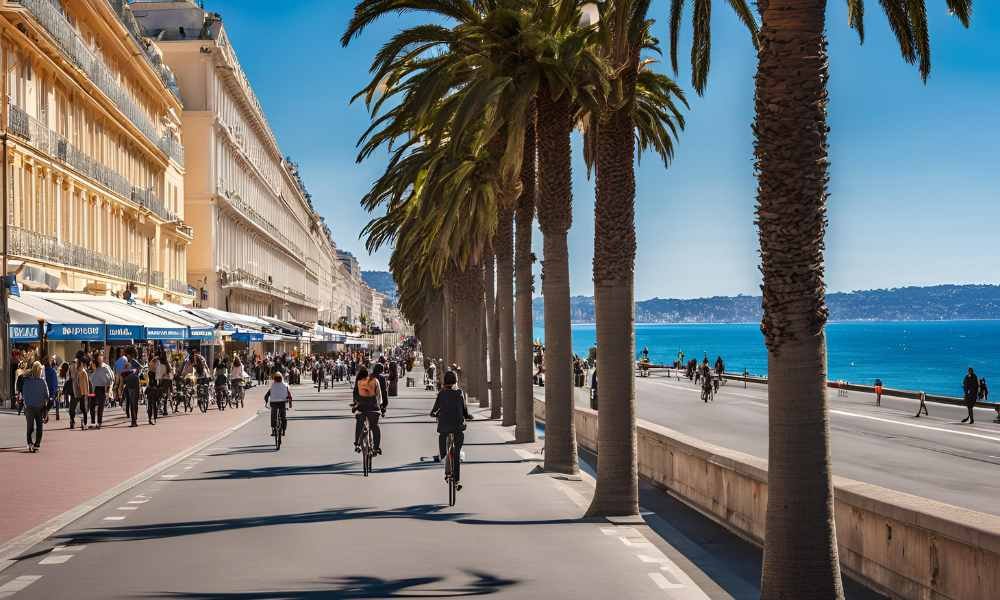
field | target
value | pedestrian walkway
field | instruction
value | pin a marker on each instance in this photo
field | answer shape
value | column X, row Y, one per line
column 76, row 466
column 239, row 520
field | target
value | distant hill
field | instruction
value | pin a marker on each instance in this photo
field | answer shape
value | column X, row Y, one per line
column 933, row 303
column 381, row 281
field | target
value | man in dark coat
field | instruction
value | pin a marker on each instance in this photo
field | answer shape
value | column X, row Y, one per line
column 971, row 387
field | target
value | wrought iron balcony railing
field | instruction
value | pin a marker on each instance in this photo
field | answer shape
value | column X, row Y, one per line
column 79, row 53
column 48, row 141
column 135, row 30
column 181, row 287
column 31, row 244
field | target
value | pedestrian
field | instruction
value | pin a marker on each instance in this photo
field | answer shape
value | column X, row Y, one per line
column 81, row 393
column 878, row 392
column 970, row 386
column 984, row 392
column 101, row 379
column 66, row 376
column 129, row 374
column 52, row 381
column 35, row 394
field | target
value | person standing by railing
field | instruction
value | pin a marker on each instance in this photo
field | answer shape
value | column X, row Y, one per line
column 970, row 385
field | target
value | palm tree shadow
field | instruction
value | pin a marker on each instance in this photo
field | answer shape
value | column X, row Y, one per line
column 155, row 531
column 277, row 471
column 358, row 587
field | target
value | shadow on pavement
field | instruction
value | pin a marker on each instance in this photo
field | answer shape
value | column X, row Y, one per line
column 277, row 471
column 364, row 586
column 421, row 512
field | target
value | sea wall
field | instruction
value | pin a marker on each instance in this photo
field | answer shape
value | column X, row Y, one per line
column 901, row 545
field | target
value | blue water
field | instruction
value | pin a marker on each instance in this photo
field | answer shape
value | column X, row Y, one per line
column 916, row 355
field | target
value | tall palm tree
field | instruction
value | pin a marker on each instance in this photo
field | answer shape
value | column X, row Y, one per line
column 643, row 106
column 800, row 548
column 493, row 333
column 524, row 431
column 504, row 244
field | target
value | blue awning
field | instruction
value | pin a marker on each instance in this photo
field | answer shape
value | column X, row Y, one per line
column 166, row 333
column 248, row 336
column 200, row 333
column 24, row 333
column 118, row 333
column 82, row 333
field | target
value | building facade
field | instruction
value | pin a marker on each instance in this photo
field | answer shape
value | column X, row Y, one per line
column 93, row 154
column 259, row 246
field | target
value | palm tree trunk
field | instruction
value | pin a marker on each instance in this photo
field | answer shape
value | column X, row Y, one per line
column 504, row 241
column 617, row 491
column 524, row 432
column 484, row 356
column 800, row 545
column 555, row 216
column 493, row 343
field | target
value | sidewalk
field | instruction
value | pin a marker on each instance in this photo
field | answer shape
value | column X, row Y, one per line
column 75, row 466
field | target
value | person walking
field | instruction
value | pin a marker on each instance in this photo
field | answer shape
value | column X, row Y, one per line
column 971, row 387
column 101, row 379
column 878, row 392
column 35, row 394
column 129, row 374
column 984, row 392
column 66, row 391
column 81, row 393
column 52, row 381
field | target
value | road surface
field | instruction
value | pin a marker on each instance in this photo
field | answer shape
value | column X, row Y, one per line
column 932, row 456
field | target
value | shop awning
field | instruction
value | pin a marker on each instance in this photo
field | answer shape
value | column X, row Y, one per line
column 23, row 324
column 61, row 323
column 125, row 322
column 231, row 322
column 284, row 326
column 197, row 329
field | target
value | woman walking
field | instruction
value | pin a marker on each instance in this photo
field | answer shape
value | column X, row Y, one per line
column 101, row 379
column 52, row 381
column 35, row 394
column 81, row 391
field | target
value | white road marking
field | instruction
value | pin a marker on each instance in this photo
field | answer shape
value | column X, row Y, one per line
column 170, row 476
column 55, row 559
column 526, row 454
column 138, row 501
column 128, row 508
column 572, row 494
column 114, row 518
column 663, row 582
column 17, row 584
column 914, row 425
column 609, row 531
column 73, row 548
column 188, row 468
column 632, row 543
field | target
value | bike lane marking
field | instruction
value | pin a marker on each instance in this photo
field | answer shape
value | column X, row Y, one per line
column 17, row 584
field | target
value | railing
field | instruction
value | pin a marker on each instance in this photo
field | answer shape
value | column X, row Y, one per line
column 240, row 278
column 35, row 245
column 80, row 54
column 135, row 30
column 18, row 122
column 172, row 147
column 180, row 287
column 48, row 141
column 260, row 221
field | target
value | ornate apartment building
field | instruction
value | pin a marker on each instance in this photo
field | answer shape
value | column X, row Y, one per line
column 259, row 243
column 94, row 163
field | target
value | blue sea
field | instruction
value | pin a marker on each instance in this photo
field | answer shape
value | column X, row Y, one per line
column 931, row 356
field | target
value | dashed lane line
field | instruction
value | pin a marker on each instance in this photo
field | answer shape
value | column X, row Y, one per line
column 114, row 518
column 128, row 508
column 17, row 584
column 55, row 559
column 69, row 548
column 664, row 583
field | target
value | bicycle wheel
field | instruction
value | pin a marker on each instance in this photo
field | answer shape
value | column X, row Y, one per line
column 277, row 438
column 451, row 480
column 365, row 453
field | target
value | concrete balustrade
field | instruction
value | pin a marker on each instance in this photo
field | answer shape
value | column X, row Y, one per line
column 901, row 545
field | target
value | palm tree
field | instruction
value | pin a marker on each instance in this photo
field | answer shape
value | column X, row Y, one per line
column 792, row 166
column 524, row 432
column 493, row 333
column 504, row 243
column 643, row 106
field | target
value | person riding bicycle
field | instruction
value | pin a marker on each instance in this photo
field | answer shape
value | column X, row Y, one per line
column 706, row 381
column 368, row 404
column 720, row 366
column 221, row 375
column 451, row 413
column 279, row 397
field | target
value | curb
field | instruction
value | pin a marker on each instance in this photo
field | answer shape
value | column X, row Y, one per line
column 9, row 551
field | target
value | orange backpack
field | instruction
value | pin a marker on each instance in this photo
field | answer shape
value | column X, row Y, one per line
column 368, row 388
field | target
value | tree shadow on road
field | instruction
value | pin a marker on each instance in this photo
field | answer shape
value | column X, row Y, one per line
column 276, row 471
column 154, row 531
column 364, row 586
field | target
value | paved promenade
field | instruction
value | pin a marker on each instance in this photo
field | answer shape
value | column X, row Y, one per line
column 933, row 456
column 238, row 520
column 75, row 466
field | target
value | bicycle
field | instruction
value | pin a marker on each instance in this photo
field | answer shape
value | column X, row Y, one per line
column 449, row 467
column 202, row 392
column 222, row 396
column 367, row 446
column 707, row 393
column 238, row 393
column 279, row 423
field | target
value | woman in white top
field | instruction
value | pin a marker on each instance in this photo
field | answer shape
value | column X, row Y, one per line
column 279, row 396
column 237, row 375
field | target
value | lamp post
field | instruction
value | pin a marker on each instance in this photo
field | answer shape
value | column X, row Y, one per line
column 4, row 312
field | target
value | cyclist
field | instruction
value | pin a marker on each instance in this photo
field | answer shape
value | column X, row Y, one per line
column 237, row 375
column 720, row 366
column 378, row 371
column 451, row 413
column 280, row 399
column 221, row 374
column 367, row 399
column 706, row 381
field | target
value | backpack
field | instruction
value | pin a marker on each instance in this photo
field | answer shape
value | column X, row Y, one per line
column 368, row 388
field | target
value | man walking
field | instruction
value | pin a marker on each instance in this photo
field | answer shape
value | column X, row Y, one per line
column 971, row 387
column 130, row 385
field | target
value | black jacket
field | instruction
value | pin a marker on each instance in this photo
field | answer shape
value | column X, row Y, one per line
column 450, row 409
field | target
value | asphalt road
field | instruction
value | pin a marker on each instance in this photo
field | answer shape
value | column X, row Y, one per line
column 932, row 456
column 242, row 521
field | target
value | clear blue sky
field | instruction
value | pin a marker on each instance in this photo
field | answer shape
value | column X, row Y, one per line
column 915, row 178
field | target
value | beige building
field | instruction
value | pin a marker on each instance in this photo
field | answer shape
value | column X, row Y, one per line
column 95, row 167
column 259, row 247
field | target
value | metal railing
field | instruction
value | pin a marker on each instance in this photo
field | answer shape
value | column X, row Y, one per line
column 181, row 287
column 172, row 147
column 125, row 15
column 50, row 142
column 241, row 278
column 260, row 221
column 31, row 244
column 80, row 54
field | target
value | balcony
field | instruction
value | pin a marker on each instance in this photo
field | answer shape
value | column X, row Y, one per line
column 180, row 287
column 135, row 30
column 31, row 244
column 257, row 219
column 238, row 278
column 78, row 51
column 51, row 143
